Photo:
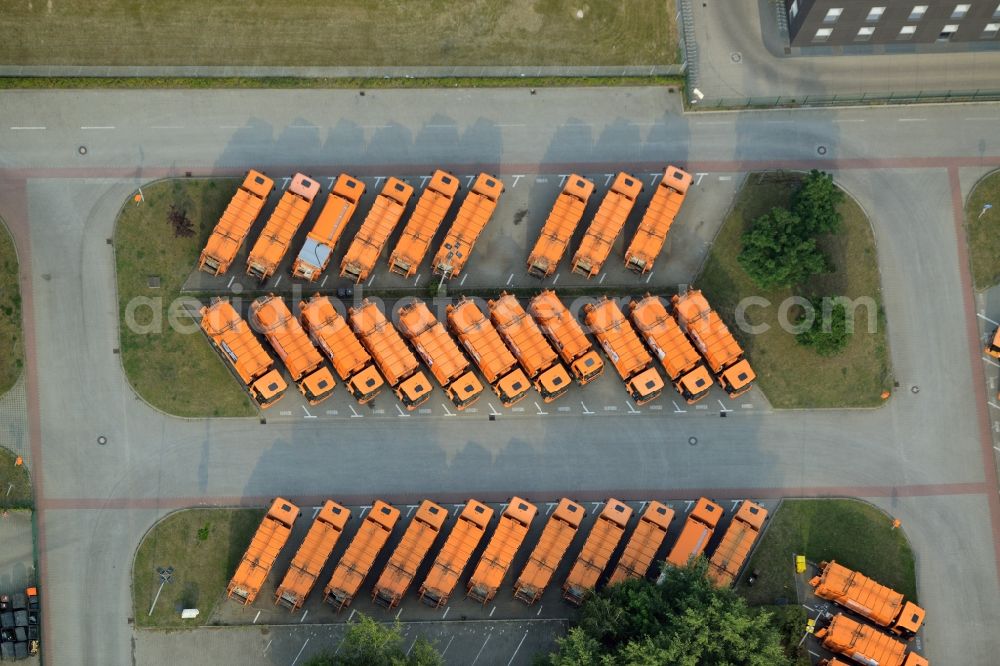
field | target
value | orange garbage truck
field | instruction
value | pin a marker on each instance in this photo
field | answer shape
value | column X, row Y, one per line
column 334, row 337
column 566, row 335
column 657, row 220
column 270, row 537
column 597, row 551
column 398, row 364
column 698, row 530
column 539, row 361
column 514, row 524
column 608, row 222
column 432, row 206
column 317, row 249
column 302, row 360
column 875, row 602
column 473, row 215
column 633, row 363
column 411, row 551
column 359, row 557
column 717, row 345
column 312, row 555
column 231, row 231
column 368, row 243
column 440, row 353
column 993, row 348
column 243, row 353
column 734, row 549
column 480, row 338
column 644, row 542
column 866, row 645
column 456, row 553
column 559, row 531
column 559, row 226
column 684, row 366
column 273, row 242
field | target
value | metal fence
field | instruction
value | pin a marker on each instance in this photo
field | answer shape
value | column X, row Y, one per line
column 859, row 99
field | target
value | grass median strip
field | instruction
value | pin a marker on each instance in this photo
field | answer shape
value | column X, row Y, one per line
column 15, row 484
column 982, row 217
column 11, row 341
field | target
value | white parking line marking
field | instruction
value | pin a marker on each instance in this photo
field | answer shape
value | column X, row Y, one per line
column 446, row 409
column 284, row 182
column 98, row 127
column 555, row 279
column 611, row 408
column 539, row 610
column 27, row 127
column 447, row 646
column 562, row 179
column 677, row 409
column 400, row 410
column 323, row 283
column 417, row 281
column 993, row 405
column 687, row 505
column 747, row 405
column 371, row 280
column 912, row 120
column 736, row 503
column 470, row 177
column 585, row 410
column 601, row 281
column 446, row 609
column 701, row 406
column 355, row 610
column 517, row 177
column 723, row 406
column 982, row 316
column 267, row 646
column 255, row 617
column 563, row 409
column 517, row 409
column 462, row 281
column 278, row 282
column 287, row 412
column 981, row 118
column 631, row 409
column 410, row 508
column 518, row 648
column 483, row 647
column 509, row 279
column 550, row 506
column 302, row 619
column 354, row 414
column 230, row 282
column 493, row 411
column 379, row 179
column 399, row 613
column 597, row 505
column 642, row 506
column 654, row 177
column 991, row 361
column 493, row 610
column 540, row 410
column 316, row 510
column 713, row 122
column 700, row 174
column 650, row 276
column 656, row 408
column 301, row 650
column 308, row 415
column 539, row 179
column 725, row 178
column 426, row 410
column 511, row 125
column 848, row 120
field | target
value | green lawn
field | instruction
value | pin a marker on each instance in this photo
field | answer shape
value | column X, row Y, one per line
column 982, row 232
column 203, row 546
column 15, row 484
column 176, row 371
column 853, row 533
column 791, row 375
column 338, row 32
column 11, row 343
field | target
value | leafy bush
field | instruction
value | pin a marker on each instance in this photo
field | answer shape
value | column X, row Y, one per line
column 777, row 254
column 829, row 333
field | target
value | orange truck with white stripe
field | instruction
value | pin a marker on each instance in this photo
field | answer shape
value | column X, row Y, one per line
column 312, row 555
column 398, row 364
column 734, row 549
column 866, row 645
column 608, row 222
column 501, row 549
column 559, row 531
column 271, row 536
column 231, row 231
column 559, row 226
column 480, row 338
column 697, row 532
column 417, row 540
column 465, row 536
column 646, row 539
column 680, row 360
column 875, row 602
column 242, row 352
column 318, row 247
column 359, row 557
column 522, row 335
column 431, row 209
column 717, row 345
column 302, row 360
column 623, row 347
column 564, row 332
column 657, row 220
column 597, row 550
column 277, row 235
column 473, row 215
column 368, row 243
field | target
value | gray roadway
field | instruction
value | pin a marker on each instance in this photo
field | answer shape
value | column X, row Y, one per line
column 98, row 501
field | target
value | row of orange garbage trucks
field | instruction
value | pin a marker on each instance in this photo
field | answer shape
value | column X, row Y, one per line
column 433, row 205
column 467, row 534
column 515, row 348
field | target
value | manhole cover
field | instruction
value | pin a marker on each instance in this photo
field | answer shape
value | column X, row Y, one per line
column 102, row 440
column 82, row 150
column 153, row 281
column 821, row 150
column 693, row 441
column 914, row 389
column 736, row 57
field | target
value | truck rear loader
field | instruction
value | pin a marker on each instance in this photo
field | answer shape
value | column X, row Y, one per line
column 866, row 645
column 274, row 240
column 564, row 332
column 398, row 364
column 368, row 243
column 475, row 212
column 734, row 549
column 411, row 551
column 608, row 222
column 332, row 335
column 717, row 345
column 657, row 220
column 317, row 250
column 440, row 353
column 359, row 557
column 480, row 338
column 270, row 537
column 877, row 603
column 539, row 361
column 559, row 531
column 312, row 555
column 993, row 348
column 243, row 353
column 231, row 231
column 684, row 366
column 597, row 551
column 501, row 549
column 455, row 554
column 302, row 360
column 698, row 530
column 623, row 347
column 643, row 544
column 559, row 226
column 432, row 206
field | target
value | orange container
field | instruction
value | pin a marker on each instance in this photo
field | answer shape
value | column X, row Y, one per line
column 623, row 347
column 426, row 219
column 500, row 551
column 608, row 223
column 559, row 226
column 597, row 551
column 359, row 557
column 549, row 551
column 398, row 364
column 644, row 542
column 317, row 249
column 275, row 239
column 370, row 240
column 539, row 361
column 270, row 537
column 231, row 231
column 312, row 555
column 455, row 554
column 474, row 214
column 564, row 332
column 656, row 222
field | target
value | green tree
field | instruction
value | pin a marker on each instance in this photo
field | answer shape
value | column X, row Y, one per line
column 816, row 204
column 830, row 330
column 369, row 643
column 776, row 253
